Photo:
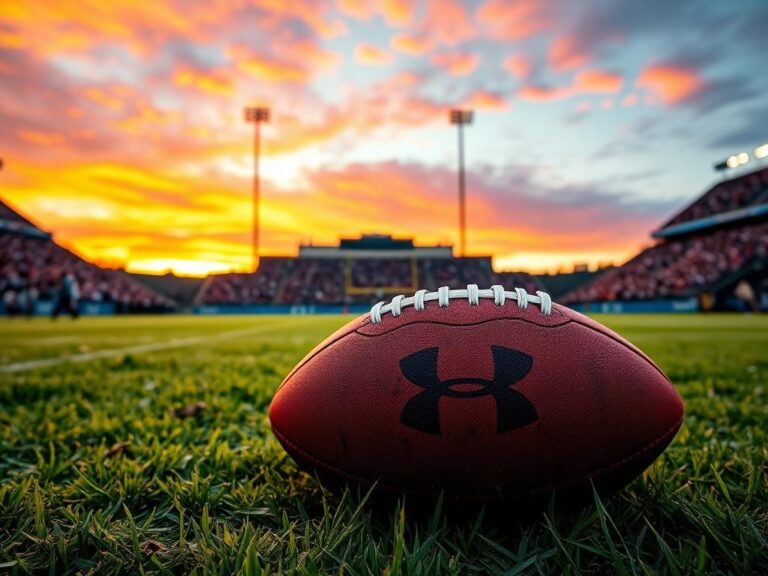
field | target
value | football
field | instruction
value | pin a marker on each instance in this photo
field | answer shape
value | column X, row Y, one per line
column 480, row 394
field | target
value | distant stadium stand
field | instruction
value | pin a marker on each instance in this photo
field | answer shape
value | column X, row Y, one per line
column 353, row 275
column 722, row 200
column 561, row 283
column 31, row 264
column 703, row 253
column 179, row 289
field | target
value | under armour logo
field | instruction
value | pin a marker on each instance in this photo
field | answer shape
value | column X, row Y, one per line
column 513, row 410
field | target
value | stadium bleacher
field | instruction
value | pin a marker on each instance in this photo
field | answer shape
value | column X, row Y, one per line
column 682, row 267
column 718, row 241
column 355, row 274
column 32, row 264
column 725, row 197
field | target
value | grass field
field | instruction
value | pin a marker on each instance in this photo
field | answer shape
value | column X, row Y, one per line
column 142, row 445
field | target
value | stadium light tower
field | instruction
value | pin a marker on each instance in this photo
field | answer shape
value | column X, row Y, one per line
column 460, row 118
column 256, row 115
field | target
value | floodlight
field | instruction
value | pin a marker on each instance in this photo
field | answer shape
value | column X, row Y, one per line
column 257, row 115
column 761, row 151
column 461, row 118
column 743, row 158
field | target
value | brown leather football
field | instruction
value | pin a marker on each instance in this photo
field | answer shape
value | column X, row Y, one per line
column 481, row 394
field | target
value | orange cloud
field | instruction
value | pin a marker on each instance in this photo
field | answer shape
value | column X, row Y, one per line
column 360, row 9
column 111, row 101
column 598, row 81
column 211, row 83
column 672, row 84
column 371, row 55
column 10, row 39
column 41, row 138
column 534, row 93
column 565, row 54
column 395, row 12
column 447, row 23
column 65, row 26
column 267, row 68
column 408, row 44
column 484, row 100
column 518, row 65
column 513, row 20
column 456, row 63
column 141, row 27
column 586, row 82
column 443, row 23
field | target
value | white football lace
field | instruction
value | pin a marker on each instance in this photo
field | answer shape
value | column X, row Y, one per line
column 472, row 294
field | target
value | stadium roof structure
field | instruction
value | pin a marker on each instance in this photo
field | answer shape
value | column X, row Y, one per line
column 740, row 199
column 12, row 222
column 375, row 246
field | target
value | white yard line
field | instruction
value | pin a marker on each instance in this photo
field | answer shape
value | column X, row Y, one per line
column 138, row 349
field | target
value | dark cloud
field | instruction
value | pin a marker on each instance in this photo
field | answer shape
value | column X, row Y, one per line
column 528, row 187
column 754, row 30
column 751, row 129
column 609, row 22
column 724, row 92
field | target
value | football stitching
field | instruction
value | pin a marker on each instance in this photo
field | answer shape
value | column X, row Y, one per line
column 473, row 294
column 461, row 325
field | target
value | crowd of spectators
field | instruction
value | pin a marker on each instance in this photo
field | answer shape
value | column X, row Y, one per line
column 33, row 269
column 726, row 196
column 455, row 272
column 380, row 272
column 259, row 288
column 314, row 281
column 682, row 267
column 279, row 281
column 323, row 280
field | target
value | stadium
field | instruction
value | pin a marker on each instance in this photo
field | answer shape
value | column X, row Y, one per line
column 699, row 257
column 261, row 312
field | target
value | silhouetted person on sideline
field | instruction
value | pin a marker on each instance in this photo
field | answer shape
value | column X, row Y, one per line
column 69, row 297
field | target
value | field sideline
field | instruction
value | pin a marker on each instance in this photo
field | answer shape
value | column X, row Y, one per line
column 141, row 444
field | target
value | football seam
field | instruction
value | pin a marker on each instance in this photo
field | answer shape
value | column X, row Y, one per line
column 668, row 435
column 306, row 359
column 618, row 339
column 461, row 325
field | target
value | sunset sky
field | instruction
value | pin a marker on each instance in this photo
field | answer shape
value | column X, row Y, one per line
column 122, row 131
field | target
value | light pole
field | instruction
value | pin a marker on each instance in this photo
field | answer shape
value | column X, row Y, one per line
column 460, row 118
column 257, row 116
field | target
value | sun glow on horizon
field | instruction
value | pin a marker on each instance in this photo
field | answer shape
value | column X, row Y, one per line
column 180, row 267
